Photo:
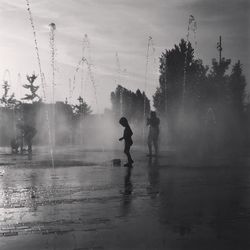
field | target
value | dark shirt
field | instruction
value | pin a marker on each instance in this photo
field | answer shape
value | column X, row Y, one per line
column 127, row 135
column 154, row 127
column 153, row 122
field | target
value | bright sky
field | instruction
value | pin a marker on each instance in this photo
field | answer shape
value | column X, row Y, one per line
column 121, row 26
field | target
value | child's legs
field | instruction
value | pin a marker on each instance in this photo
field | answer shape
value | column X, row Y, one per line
column 155, row 141
column 150, row 144
column 127, row 152
column 29, row 147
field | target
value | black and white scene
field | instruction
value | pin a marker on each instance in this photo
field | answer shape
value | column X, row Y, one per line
column 124, row 124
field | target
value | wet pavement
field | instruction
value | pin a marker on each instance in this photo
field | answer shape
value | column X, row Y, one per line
column 86, row 202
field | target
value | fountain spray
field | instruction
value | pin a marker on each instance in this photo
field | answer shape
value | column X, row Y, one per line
column 42, row 78
column 118, row 81
column 150, row 45
column 52, row 27
column 191, row 26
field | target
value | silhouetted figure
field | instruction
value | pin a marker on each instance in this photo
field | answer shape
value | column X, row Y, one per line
column 14, row 145
column 127, row 137
column 29, row 133
column 20, row 134
column 153, row 122
column 26, row 134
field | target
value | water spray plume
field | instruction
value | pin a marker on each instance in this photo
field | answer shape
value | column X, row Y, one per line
column 6, row 76
column 91, row 76
column 85, row 45
column 150, row 45
column 83, row 50
column 118, row 82
column 41, row 76
column 192, row 25
column 70, row 91
column 93, row 82
column 52, row 46
column 19, row 82
column 145, row 80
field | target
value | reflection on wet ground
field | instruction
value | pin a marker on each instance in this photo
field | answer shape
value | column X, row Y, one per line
column 87, row 203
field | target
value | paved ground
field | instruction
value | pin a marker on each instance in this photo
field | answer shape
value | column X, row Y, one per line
column 85, row 202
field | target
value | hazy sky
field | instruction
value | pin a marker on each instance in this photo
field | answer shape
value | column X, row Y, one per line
column 112, row 26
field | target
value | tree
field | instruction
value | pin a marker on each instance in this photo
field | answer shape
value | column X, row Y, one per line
column 82, row 109
column 236, row 93
column 8, row 113
column 116, row 100
column 217, row 87
column 7, row 100
column 129, row 104
column 237, row 84
column 174, row 97
column 33, row 96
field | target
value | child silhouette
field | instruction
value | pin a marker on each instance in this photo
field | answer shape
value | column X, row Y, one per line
column 127, row 137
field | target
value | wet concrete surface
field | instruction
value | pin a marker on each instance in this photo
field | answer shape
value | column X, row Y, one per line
column 173, row 202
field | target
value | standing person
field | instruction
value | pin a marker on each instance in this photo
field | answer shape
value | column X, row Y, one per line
column 127, row 137
column 29, row 133
column 14, row 145
column 20, row 134
column 153, row 122
column 25, row 135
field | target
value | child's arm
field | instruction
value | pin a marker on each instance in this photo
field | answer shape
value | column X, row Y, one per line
column 121, row 138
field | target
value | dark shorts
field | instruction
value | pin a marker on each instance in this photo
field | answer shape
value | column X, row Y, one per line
column 128, row 144
column 153, row 136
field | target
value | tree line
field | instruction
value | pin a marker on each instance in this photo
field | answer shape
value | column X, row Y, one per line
column 197, row 102
column 31, row 111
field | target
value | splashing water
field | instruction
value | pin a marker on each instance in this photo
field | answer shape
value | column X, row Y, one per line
column 86, row 53
column 70, row 91
column 150, row 46
column 146, row 76
column 118, row 81
column 92, row 81
column 42, row 78
column 121, row 102
column 20, row 84
column 6, row 76
column 192, row 25
column 91, row 76
column 85, row 48
column 82, row 71
column 52, row 27
column 52, row 46
column 195, row 38
column 74, row 78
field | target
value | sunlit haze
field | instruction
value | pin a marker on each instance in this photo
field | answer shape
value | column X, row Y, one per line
column 114, row 26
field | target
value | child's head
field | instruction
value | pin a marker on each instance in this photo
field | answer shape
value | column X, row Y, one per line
column 123, row 121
